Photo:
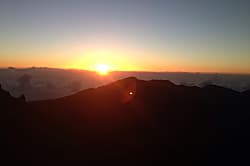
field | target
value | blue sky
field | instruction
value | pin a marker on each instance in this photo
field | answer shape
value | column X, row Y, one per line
column 156, row 35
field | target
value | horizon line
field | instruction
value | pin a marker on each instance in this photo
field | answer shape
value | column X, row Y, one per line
column 138, row 71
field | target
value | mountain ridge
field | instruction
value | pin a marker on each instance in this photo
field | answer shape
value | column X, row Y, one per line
column 130, row 121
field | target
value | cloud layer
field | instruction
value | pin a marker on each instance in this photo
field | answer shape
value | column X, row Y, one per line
column 45, row 83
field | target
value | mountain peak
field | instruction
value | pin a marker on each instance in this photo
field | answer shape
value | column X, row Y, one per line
column 128, row 79
column 6, row 96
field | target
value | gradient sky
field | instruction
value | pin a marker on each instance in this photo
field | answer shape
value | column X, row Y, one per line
column 151, row 35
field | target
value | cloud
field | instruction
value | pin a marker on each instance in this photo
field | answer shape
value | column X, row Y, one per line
column 24, row 82
column 45, row 83
column 75, row 86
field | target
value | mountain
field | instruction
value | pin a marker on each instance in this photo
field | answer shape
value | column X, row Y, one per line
column 247, row 93
column 129, row 122
column 49, row 83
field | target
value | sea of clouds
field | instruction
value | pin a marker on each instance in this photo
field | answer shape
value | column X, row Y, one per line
column 47, row 83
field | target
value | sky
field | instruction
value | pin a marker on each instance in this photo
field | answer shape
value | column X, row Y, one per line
column 138, row 35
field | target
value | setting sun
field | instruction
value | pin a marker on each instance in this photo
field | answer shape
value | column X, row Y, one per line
column 102, row 69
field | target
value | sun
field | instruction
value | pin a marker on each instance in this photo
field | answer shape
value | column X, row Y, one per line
column 102, row 69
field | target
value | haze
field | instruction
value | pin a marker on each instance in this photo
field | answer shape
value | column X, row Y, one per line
column 145, row 35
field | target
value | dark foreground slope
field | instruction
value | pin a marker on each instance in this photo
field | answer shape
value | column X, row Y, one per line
column 129, row 122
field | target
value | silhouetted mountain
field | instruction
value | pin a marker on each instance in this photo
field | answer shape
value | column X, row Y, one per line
column 247, row 93
column 7, row 100
column 127, row 122
column 48, row 83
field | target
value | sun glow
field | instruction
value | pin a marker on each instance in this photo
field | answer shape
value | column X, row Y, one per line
column 100, row 60
column 102, row 69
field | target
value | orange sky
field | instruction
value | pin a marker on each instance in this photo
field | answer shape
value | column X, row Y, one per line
column 126, row 35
